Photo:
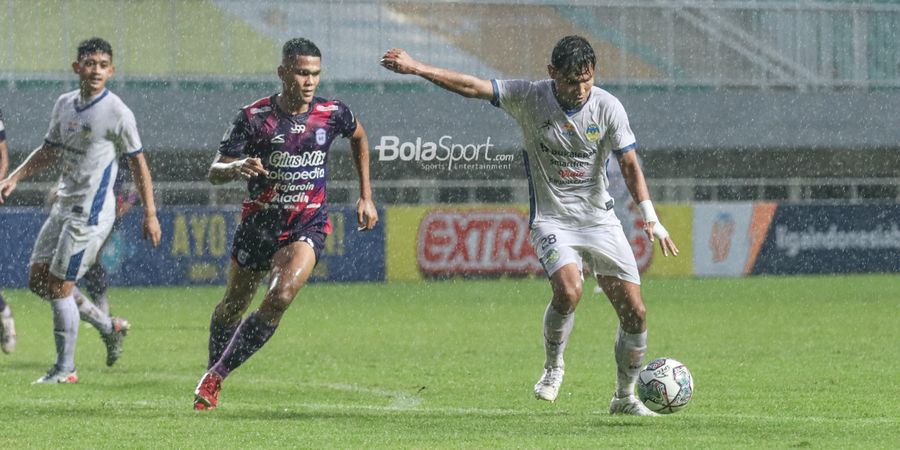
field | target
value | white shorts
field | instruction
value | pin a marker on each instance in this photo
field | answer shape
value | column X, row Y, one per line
column 68, row 244
column 604, row 248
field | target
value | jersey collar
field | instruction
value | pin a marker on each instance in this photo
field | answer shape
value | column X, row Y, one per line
column 92, row 103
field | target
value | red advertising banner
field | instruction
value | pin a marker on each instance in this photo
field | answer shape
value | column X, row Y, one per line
column 475, row 242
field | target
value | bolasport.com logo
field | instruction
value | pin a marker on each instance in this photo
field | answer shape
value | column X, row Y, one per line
column 444, row 154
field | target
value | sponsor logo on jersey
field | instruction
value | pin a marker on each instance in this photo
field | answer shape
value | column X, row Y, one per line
column 278, row 139
column 323, row 108
column 568, row 130
column 298, row 128
column 262, row 109
column 592, row 133
column 321, row 136
column 569, row 173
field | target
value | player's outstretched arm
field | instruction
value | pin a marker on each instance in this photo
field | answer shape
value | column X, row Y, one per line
column 366, row 214
column 4, row 159
column 397, row 60
column 637, row 186
column 40, row 158
column 144, row 183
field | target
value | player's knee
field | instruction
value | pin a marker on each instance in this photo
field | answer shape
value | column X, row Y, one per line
column 565, row 298
column 634, row 319
column 278, row 299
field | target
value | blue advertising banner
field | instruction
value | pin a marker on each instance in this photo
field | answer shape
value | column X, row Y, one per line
column 808, row 239
column 196, row 248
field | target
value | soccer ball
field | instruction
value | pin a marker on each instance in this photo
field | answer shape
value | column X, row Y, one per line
column 665, row 385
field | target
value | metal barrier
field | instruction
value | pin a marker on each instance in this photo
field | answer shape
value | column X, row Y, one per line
column 431, row 191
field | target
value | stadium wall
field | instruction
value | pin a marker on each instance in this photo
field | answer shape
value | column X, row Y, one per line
column 195, row 249
column 490, row 241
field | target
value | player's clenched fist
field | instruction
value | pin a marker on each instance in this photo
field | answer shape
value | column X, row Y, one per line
column 397, row 60
column 248, row 168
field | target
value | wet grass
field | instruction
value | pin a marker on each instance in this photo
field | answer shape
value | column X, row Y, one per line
column 778, row 362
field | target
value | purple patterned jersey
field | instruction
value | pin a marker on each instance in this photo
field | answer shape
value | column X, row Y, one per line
column 294, row 150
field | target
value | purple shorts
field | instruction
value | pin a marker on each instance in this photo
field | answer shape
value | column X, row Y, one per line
column 255, row 244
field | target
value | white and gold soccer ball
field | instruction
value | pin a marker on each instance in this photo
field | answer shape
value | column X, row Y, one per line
column 665, row 385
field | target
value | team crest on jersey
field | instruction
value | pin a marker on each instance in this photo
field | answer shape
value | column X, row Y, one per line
column 550, row 258
column 592, row 133
column 321, row 136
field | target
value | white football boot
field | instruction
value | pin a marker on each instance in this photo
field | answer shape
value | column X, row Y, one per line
column 547, row 388
column 56, row 376
column 630, row 406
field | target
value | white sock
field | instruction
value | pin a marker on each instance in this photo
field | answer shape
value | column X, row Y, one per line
column 91, row 314
column 629, row 349
column 103, row 303
column 65, row 331
column 557, row 328
column 6, row 311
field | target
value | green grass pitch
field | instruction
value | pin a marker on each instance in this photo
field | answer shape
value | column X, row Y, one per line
column 778, row 362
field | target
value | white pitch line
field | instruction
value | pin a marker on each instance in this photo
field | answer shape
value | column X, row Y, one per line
column 492, row 412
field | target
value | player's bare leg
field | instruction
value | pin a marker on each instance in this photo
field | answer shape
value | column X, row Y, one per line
column 631, row 343
column 242, row 286
column 559, row 318
column 291, row 267
column 65, row 322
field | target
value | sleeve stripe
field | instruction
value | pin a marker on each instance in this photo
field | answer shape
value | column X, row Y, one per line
column 625, row 149
column 495, row 99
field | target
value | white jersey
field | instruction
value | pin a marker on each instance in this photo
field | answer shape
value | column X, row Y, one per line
column 565, row 152
column 92, row 136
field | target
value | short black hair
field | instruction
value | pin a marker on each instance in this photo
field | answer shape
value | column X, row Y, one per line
column 94, row 45
column 573, row 55
column 299, row 47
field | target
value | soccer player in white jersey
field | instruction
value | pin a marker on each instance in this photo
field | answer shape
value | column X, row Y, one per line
column 89, row 128
column 7, row 323
column 570, row 127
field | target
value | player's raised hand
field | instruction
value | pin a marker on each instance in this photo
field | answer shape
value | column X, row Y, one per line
column 151, row 229
column 366, row 215
column 397, row 60
column 249, row 168
column 7, row 186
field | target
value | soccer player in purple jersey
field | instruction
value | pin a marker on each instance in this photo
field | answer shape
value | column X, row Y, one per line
column 7, row 323
column 279, row 144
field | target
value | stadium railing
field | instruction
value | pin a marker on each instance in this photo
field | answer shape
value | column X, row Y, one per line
column 431, row 191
